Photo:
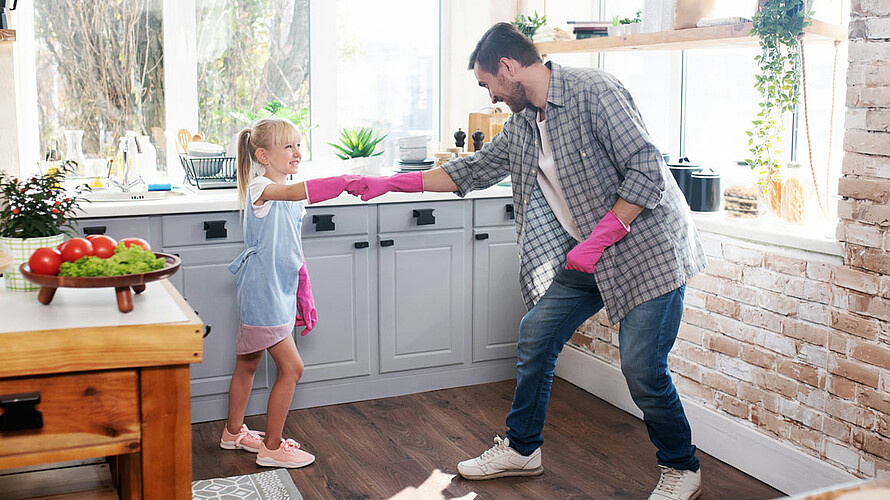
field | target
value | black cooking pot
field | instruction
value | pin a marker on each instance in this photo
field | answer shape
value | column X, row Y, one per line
column 682, row 172
column 705, row 191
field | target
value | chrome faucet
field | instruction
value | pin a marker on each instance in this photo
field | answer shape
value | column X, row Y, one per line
column 125, row 184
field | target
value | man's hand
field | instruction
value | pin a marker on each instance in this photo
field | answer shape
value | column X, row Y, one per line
column 586, row 254
column 372, row 187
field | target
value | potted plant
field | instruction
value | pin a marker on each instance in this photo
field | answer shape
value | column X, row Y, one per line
column 779, row 26
column 34, row 212
column 529, row 25
column 359, row 147
column 299, row 117
column 630, row 26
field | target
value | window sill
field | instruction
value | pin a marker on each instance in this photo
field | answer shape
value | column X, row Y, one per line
column 770, row 230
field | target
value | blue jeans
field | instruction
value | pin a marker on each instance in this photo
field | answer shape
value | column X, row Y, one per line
column 645, row 337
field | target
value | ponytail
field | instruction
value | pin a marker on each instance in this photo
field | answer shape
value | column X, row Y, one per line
column 244, row 164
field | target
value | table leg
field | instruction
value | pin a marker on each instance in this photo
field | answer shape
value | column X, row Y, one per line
column 166, row 433
column 124, row 299
column 127, row 475
column 46, row 294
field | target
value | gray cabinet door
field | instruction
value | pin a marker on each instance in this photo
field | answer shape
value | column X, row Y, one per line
column 422, row 290
column 209, row 288
column 340, row 273
column 116, row 227
column 497, row 301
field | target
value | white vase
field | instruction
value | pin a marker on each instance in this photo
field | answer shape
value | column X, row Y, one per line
column 74, row 151
column 21, row 250
column 370, row 165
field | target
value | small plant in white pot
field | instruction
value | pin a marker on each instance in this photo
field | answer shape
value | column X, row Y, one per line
column 359, row 147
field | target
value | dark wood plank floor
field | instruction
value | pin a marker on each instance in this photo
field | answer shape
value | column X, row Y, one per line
column 408, row 448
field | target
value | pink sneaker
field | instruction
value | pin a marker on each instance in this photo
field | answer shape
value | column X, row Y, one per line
column 287, row 455
column 246, row 439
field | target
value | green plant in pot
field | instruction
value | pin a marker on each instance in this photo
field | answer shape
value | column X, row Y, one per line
column 299, row 117
column 529, row 25
column 779, row 26
column 34, row 212
column 359, row 146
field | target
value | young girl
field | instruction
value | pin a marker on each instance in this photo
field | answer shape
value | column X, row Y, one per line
column 274, row 293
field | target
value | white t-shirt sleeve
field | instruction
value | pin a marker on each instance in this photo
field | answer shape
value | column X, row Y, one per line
column 255, row 191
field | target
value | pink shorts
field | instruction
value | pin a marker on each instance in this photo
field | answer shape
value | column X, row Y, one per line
column 257, row 338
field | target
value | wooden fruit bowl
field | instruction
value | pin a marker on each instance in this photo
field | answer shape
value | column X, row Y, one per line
column 122, row 284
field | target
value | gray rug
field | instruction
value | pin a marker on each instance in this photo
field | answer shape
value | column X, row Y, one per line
column 269, row 485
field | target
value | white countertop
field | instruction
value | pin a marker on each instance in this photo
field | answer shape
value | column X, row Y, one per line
column 214, row 200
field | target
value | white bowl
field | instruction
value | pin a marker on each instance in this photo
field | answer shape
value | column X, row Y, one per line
column 416, row 141
column 412, row 154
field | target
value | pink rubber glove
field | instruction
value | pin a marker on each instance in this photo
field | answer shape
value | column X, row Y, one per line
column 306, row 314
column 329, row 187
column 372, row 187
column 586, row 254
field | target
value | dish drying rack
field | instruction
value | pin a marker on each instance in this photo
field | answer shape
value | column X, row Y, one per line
column 212, row 172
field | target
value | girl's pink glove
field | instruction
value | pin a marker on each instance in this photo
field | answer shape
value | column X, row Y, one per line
column 306, row 314
column 329, row 187
column 586, row 254
column 372, row 187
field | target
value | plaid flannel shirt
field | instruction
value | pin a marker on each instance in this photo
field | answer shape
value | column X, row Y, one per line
column 602, row 152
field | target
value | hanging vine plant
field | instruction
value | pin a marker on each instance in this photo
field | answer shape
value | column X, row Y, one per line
column 779, row 25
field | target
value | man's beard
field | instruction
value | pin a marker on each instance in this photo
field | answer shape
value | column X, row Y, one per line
column 517, row 100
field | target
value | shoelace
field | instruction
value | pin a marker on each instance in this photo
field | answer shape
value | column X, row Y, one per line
column 290, row 445
column 245, row 433
column 497, row 449
column 670, row 480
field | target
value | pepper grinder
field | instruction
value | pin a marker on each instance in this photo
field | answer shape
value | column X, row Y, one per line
column 478, row 137
column 459, row 138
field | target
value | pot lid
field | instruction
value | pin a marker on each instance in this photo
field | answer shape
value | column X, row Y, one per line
column 683, row 163
column 706, row 173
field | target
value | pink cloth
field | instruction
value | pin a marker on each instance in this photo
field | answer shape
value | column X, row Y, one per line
column 257, row 338
column 307, row 315
column 372, row 187
column 328, row 187
column 586, row 254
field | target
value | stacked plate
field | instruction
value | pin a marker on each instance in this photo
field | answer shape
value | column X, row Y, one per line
column 416, row 165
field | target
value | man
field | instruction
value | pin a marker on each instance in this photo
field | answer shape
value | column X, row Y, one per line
column 600, row 224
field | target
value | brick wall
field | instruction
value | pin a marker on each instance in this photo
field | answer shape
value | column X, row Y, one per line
column 797, row 344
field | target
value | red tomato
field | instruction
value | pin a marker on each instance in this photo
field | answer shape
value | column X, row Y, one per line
column 76, row 248
column 103, row 246
column 45, row 261
column 136, row 241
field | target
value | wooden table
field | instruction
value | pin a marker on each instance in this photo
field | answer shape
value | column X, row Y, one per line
column 110, row 384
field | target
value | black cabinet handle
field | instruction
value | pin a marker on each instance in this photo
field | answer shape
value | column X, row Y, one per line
column 88, row 230
column 323, row 222
column 387, row 243
column 20, row 412
column 424, row 216
column 214, row 229
column 509, row 210
column 206, row 331
column 361, row 244
column 482, row 236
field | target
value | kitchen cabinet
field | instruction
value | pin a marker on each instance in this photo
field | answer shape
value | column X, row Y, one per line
column 497, row 301
column 117, row 228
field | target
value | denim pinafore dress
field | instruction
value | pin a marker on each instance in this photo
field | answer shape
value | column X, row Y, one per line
column 268, row 274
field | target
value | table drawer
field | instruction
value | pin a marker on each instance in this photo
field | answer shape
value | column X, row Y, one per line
column 84, row 414
column 336, row 221
column 421, row 216
column 493, row 212
column 199, row 229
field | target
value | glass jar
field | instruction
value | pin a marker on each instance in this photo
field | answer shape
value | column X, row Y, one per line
column 797, row 194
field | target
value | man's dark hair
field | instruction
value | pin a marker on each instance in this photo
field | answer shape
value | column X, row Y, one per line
column 503, row 40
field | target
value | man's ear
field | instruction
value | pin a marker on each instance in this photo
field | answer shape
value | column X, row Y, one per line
column 261, row 156
column 508, row 65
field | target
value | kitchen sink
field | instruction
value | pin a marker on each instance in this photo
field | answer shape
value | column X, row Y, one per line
column 99, row 196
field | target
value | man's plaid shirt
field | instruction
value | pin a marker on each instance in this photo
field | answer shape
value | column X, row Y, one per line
column 602, row 152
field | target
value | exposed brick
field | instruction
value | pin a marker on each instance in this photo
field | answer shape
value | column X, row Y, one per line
column 876, row 400
column 757, row 356
column 684, row 367
column 868, row 8
column 865, row 211
column 740, row 255
column 859, row 234
column 819, row 271
column 813, row 355
column 756, row 396
column 736, row 368
column 799, row 372
column 733, row 406
column 877, row 120
column 866, row 465
column 866, row 165
column 778, row 303
column 870, row 305
column 861, row 141
column 761, row 318
column 841, row 454
column 705, row 283
column 841, row 387
column 800, row 413
column 871, row 353
column 713, row 247
column 805, row 331
column 865, row 97
column 855, row 324
column 815, row 313
column 855, row 118
column 812, row 397
column 857, row 280
column 693, row 389
column 773, row 382
column 836, row 429
column 769, row 421
column 696, row 354
column 582, row 341
column 853, row 370
column 699, row 318
column 723, row 306
column 877, row 190
column 877, row 445
column 767, row 280
column 883, row 424
column 877, row 28
column 738, row 330
column 694, row 299
column 739, row 292
column 885, row 285
column 868, row 74
column 778, row 343
column 837, row 342
column 785, row 265
column 720, row 382
column 842, row 409
column 723, row 344
column 689, row 333
column 723, row 269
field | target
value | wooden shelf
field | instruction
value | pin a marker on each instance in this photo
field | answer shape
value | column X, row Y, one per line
column 730, row 35
column 7, row 36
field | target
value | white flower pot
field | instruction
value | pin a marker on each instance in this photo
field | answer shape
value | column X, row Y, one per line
column 364, row 166
column 21, row 250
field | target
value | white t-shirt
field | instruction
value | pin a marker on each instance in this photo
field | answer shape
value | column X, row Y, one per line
column 548, row 179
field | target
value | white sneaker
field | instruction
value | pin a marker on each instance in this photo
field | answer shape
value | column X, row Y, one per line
column 677, row 484
column 501, row 461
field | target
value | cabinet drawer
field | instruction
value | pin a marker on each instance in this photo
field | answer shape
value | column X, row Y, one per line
column 84, row 414
column 336, row 221
column 421, row 216
column 116, row 227
column 493, row 212
column 199, row 229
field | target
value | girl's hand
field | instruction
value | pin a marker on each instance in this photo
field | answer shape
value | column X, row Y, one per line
column 329, row 187
column 372, row 187
column 307, row 316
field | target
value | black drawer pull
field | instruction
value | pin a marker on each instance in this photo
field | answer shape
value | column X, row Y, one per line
column 20, row 412
column 424, row 216
column 509, row 211
column 482, row 236
column 387, row 243
column 206, row 331
column 323, row 222
column 88, row 230
column 362, row 244
column 215, row 229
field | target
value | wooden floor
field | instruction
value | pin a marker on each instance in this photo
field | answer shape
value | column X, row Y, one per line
column 408, row 448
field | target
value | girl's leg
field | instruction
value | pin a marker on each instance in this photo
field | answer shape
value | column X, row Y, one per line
column 239, row 388
column 290, row 368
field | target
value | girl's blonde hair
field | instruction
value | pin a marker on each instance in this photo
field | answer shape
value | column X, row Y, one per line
column 264, row 133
